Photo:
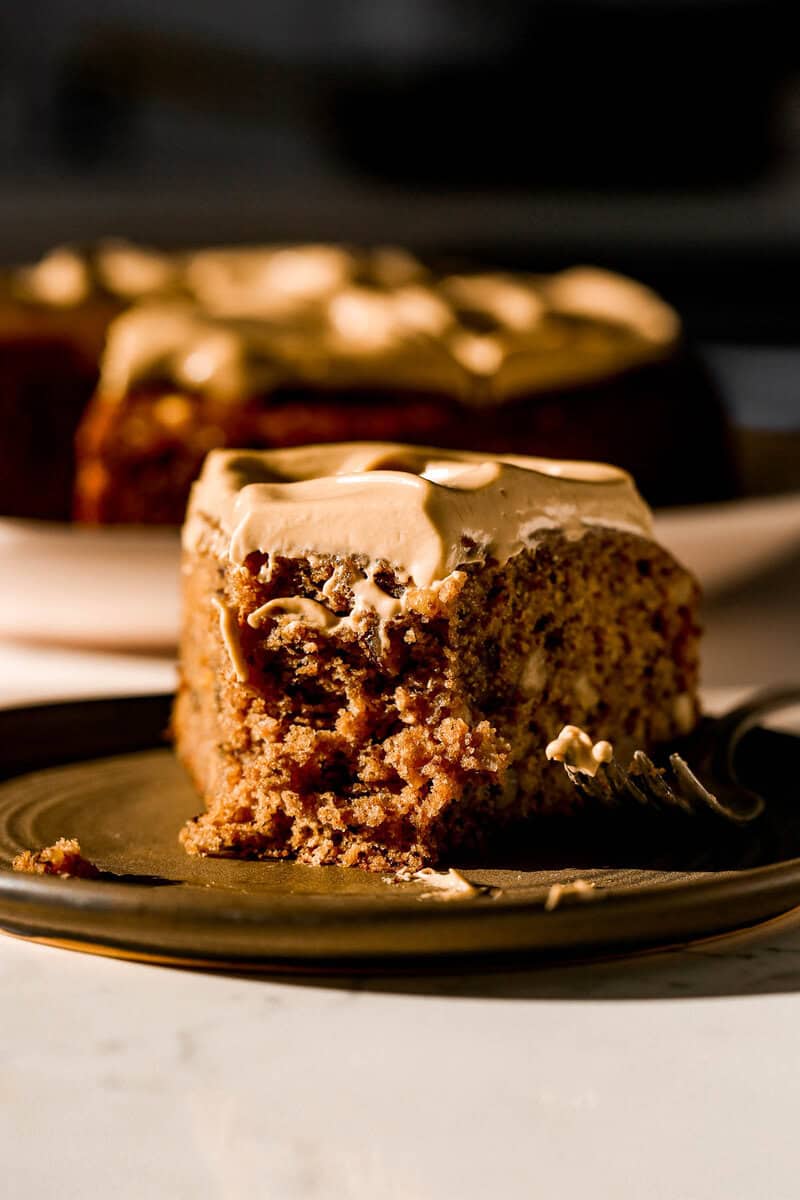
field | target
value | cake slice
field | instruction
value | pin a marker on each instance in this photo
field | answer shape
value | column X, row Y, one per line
column 379, row 641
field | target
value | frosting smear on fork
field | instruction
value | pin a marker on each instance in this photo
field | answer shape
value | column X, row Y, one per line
column 574, row 748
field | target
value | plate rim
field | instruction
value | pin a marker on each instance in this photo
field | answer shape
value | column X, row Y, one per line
column 48, row 907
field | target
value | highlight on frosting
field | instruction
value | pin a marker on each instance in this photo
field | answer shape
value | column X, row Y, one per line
column 605, row 296
column 132, row 271
column 69, row 276
column 266, row 281
column 513, row 303
column 62, row 279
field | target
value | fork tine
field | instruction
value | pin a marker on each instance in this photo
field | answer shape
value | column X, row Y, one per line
column 592, row 787
column 625, row 785
column 650, row 787
column 658, row 784
column 691, row 786
column 677, row 786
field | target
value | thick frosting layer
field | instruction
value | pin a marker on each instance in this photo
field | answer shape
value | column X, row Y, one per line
column 424, row 512
column 246, row 321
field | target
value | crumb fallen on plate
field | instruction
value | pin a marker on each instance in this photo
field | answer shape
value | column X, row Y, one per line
column 442, row 885
column 62, row 858
column 581, row 888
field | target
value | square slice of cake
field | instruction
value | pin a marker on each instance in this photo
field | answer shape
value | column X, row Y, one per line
column 379, row 641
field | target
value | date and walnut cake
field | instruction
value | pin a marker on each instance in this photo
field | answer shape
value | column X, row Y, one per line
column 280, row 346
column 379, row 641
column 266, row 346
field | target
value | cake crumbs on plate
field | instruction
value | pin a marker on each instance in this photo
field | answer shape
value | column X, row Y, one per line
column 442, row 885
column 63, row 858
column 582, row 888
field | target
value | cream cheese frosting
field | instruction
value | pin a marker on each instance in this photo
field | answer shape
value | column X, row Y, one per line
column 235, row 322
column 424, row 512
column 230, row 359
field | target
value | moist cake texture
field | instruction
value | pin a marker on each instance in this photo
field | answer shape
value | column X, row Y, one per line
column 379, row 642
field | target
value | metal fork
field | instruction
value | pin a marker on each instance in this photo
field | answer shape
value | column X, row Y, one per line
column 710, row 786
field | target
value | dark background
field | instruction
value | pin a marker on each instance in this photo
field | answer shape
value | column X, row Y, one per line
column 658, row 137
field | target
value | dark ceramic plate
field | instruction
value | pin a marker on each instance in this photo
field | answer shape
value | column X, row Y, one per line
column 111, row 782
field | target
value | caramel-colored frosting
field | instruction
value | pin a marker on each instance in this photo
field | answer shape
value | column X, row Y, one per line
column 62, row 279
column 177, row 344
column 239, row 322
column 246, row 321
column 280, row 282
column 229, row 632
column 440, row 885
column 423, row 512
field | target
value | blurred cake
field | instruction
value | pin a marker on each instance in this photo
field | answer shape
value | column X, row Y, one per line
column 280, row 347
column 379, row 641
column 53, row 322
column 283, row 345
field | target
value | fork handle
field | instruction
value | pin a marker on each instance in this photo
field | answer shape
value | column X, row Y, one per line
column 733, row 725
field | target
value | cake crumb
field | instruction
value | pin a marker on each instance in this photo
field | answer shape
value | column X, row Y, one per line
column 63, row 858
column 442, row 885
column 582, row 888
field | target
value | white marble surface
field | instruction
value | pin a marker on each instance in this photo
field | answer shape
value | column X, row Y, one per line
column 672, row 1075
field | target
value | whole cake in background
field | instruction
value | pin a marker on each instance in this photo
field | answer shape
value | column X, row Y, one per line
column 285, row 345
column 380, row 641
